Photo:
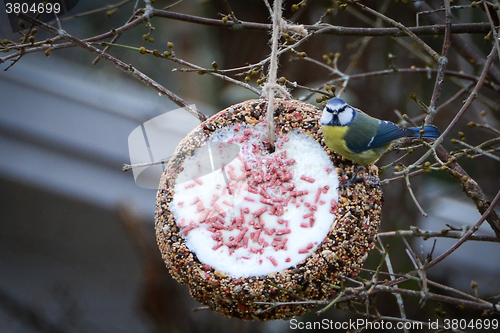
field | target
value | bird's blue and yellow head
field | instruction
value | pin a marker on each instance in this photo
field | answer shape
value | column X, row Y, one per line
column 337, row 113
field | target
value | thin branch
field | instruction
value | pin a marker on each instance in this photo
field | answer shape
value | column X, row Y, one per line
column 478, row 150
column 445, row 233
column 464, row 108
column 408, row 186
column 469, row 233
column 119, row 64
column 399, row 299
column 442, row 61
column 401, row 27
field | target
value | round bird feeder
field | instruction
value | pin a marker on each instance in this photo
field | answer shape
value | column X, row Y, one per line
column 242, row 226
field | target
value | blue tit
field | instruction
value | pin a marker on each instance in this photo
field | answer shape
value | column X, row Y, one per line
column 360, row 138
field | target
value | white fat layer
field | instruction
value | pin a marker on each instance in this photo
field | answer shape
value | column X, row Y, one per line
column 310, row 160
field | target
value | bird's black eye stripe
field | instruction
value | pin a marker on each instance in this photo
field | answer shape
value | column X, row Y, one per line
column 343, row 108
column 339, row 110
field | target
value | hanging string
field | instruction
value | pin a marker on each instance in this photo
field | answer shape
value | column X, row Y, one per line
column 271, row 87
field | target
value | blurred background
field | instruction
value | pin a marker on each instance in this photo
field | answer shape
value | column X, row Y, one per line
column 77, row 247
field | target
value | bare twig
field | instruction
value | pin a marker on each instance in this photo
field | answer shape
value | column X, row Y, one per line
column 470, row 232
column 442, row 61
column 445, row 233
column 408, row 186
column 119, row 64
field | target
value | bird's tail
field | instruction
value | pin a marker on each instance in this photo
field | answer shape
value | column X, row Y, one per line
column 430, row 132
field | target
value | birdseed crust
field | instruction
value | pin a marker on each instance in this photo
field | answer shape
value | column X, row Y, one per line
column 340, row 254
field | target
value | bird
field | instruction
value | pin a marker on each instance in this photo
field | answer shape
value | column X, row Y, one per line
column 361, row 138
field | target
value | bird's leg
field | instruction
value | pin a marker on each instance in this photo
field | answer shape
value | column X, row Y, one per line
column 354, row 179
column 369, row 180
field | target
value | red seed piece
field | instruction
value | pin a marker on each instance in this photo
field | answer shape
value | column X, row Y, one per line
column 334, row 207
column 281, row 221
column 288, row 259
column 255, row 235
column 252, row 190
column 198, row 181
column 248, row 199
column 227, row 203
column 247, row 132
column 297, row 193
column 236, row 127
column 266, row 201
column 321, row 202
column 199, row 206
column 279, row 210
column 196, row 200
column 189, row 185
column 280, row 245
column 214, row 199
column 260, row 211
column 283, row 231
column 246, row 210
column 217, row 225
column 269, row 231
column 241, row 177
column 290, row 161
column 219, row 210
column 241, row 235
column 311, row 221
column 326, row 188
column 283, row 190
column 310, row 246
column 307, row 179
column 231, row 244
column 273, row 261
column 278, row 199
column 273, row 180
column 216, row 246
column 245, row 242
column 264, row 193
column 303, row 250
column 304, row 225
column 204, row 215
column 308, row 215
column 189, row 228
column 318, row 194
column 287, row 201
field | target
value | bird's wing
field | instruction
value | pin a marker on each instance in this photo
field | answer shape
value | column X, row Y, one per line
column 386, row 133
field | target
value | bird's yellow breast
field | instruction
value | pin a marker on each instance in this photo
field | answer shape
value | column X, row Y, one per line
column 334, row 139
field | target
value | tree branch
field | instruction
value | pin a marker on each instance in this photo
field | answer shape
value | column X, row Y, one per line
column 119, row 64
